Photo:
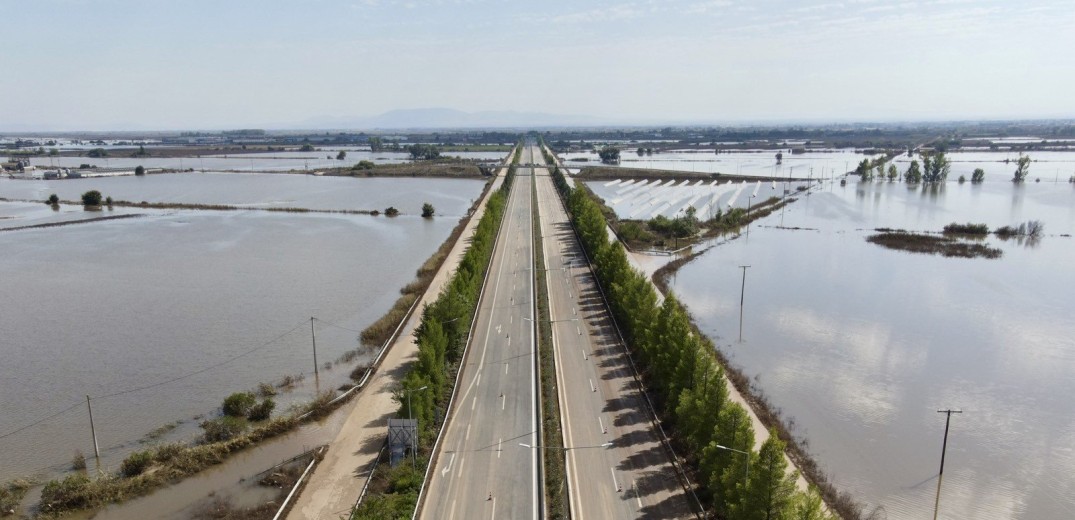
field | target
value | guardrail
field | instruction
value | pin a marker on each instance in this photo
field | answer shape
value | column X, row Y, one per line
column 298, row 483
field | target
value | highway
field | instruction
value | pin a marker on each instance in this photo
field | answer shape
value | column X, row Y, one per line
column 481, row 471
column 600, row 400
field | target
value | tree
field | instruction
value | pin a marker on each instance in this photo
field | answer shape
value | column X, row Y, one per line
column 307, row 148
column 978, row 176
column 640, row 151
column 808, row 506
column 1023, row 168
column 139, row 170
column 935, row 167
column 97, row 152
column 779, row 157
column 770, row 489
column 91, row 198
column 341, row 156
column 609, row 154
column 376, row 144
column 893, row 172
column 54, row 199
column 423, row 151
column 427, row 210
column 108, row 202
column 914, row 174
column 391, row 211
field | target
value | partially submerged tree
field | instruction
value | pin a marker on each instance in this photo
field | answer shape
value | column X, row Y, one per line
column 341, row 156
column 1022, row 169
column 935, row 167
column 91, row 198
column 139, row 170
column 913, row 174
column 609, row 154
column 978, row 176
column 428, row 210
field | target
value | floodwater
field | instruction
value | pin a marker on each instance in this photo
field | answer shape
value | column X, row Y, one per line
column 450, row 197
column 643, row 200
column 862, row 345
column 254, row 162
column 758, row 163
column 219, row 300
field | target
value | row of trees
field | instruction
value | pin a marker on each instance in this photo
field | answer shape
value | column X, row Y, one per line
column 423, row 151
column 688, row 384
column 934, row 168
column 440, row 336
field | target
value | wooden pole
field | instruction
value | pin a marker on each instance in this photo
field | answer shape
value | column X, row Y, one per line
column 313, row 339
column 742, row 296
column 944, row 448
column 93, row 431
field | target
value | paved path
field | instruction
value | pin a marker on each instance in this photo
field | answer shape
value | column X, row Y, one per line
column 336, row 483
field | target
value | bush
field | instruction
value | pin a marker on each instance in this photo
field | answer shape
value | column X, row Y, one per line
column 238, row 404
column 363, row 165
column 427, row 210
column 967, row 229
column 391, row 211
column 135, row 463
column 78, row 462
column 70, row 493
column 262, row 410
column 91, row 198
column 140, row 170
column 54, row 199
column 266, row 390
column 224, row 428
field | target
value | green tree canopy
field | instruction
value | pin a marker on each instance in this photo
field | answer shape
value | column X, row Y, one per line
column 1022, row 169
column 91, row 198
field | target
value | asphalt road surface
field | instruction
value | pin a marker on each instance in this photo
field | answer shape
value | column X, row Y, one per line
column 616, row 467
column 481, row 470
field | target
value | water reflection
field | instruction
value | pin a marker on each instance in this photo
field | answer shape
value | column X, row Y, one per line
column 862, row 345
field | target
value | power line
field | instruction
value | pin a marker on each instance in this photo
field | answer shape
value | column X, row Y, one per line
column 41, row 420
column 337, row 326
column 206, row 369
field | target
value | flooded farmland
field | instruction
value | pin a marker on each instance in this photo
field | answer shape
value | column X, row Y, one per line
column 862, row 345
column 201, row 303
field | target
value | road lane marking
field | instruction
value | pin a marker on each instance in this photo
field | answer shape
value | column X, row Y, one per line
column 450, row 461
column 493, row 515
column 466, row 438
column 592, row 387
column 584, row 356
column 499, row 447
column 599, row 421
column 479, row 381
column 461, row 462
column 474, row 402
column 452, row 516
column 638, row 496
column 505, row 368
column 614, row 481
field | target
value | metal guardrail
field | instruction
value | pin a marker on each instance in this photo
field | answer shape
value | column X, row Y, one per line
column 298, row 483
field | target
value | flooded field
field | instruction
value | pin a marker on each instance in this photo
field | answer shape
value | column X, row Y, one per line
column 643, row 200
column 862, row 345
column 187, row 307
column 760, row 163
column 450, row 197
column 264, row 161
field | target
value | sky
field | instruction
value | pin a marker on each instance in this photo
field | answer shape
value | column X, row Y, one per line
column 194, row 64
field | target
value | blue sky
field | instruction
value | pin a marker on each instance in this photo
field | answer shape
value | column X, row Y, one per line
column 111, row 64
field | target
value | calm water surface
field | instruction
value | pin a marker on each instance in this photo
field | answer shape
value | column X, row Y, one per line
column 105, row 307
column 862, row 345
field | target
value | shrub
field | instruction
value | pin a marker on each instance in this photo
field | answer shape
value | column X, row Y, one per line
column 391, row 211
column 223, row 429
column 140, row 170
column 262, row 410
column 427, row 210
column 70, row 493
column 363, row 165
column 266, row 390
column 967, row 229
column 54, row 199
column 78, row 462
column 238, row 404
column 91, row 198
column 135, row 463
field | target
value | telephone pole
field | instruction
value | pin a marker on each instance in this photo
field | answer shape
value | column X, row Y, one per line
column 93, row 431
column 742, row 297
column 944, row 448
column 313, row 339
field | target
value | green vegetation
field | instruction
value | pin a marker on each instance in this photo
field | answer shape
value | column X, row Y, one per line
column 262, row 410
column 1030, row 228
column 914, row 173
column 53, row 200
column 223, row 428
column 609, row 155
column 931, row 244
column 139, row 170
column 238, row 404
column 91, row 198
column 97, row 152
column 140, row 152
column 78, row 461
column 423, row 151
column 978, row 176
column 135, row 463
column 684, row 378
column 363, row 165
column 391, row 211
column 428, row 210
column 966, row 229
column 893, row 172
column 11, row 494
column 441, row 338
column 1022, row 169
column 935, row 167
column 306, row 148
column 341, row 156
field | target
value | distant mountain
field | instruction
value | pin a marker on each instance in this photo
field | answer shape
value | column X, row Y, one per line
column 432, row 118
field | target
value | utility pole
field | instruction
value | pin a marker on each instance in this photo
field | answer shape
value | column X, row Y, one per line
column 313, row 339
column 944, row 448
column 93, row 431
column 742, row 296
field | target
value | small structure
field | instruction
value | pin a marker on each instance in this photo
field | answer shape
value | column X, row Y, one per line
column 402, row 434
